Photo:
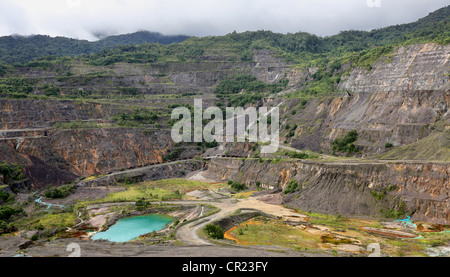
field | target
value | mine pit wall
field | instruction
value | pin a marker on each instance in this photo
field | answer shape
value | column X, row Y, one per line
column 54, row 157
column 65, row 155
column 233, row 220
column 397, row 117
column 158, row 172
column 87, row 152
column 397, row 101
column 414, row 67
column 417, row 189
column 28, row 113
column 38, row 173
column 168, row 78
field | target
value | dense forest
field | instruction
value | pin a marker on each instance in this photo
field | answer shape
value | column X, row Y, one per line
column 328, row 54
column 21, row 49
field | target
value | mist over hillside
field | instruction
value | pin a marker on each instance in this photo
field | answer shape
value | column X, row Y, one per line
column 17, row 49
column 434, row 27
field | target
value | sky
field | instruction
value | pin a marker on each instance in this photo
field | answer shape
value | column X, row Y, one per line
column 82, row 19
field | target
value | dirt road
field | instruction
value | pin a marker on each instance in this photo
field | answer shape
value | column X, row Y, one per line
column 189, row 232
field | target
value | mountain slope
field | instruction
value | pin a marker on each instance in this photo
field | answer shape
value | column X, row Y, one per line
column 435, row 27
column 20, row 49
column 433, row 147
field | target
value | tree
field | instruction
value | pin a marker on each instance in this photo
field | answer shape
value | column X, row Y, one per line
column 11, row 172
column 237, row 186
column 346, row 144
column 214, row 231
column 291, row 187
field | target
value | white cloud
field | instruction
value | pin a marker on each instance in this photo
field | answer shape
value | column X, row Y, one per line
column 80, row 18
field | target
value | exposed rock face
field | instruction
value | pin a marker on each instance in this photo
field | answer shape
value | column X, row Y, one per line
column 204, row 76
column 15, row 114
column 416, row 67
column 270, row 69
column 53, row 157
column 87, row 152
column 236, row 219
column 400, row 118
column 38, row 173
column 164, row 78
column 347, row 188
column 65, row 154
column 398, row 101
column 150, row 173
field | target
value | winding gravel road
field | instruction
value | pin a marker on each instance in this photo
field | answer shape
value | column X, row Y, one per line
column 188, row 233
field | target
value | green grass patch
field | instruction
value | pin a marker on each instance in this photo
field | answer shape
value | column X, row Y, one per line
column 47, row 220
column 162, row 190
column 138, row 118
column 244, row 195
column 263, row 231
column 77, row 125
column 60, row 192
column 300, row 155
column 435, row 147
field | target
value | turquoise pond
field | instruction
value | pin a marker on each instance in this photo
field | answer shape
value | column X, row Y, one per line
column 130, row 228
